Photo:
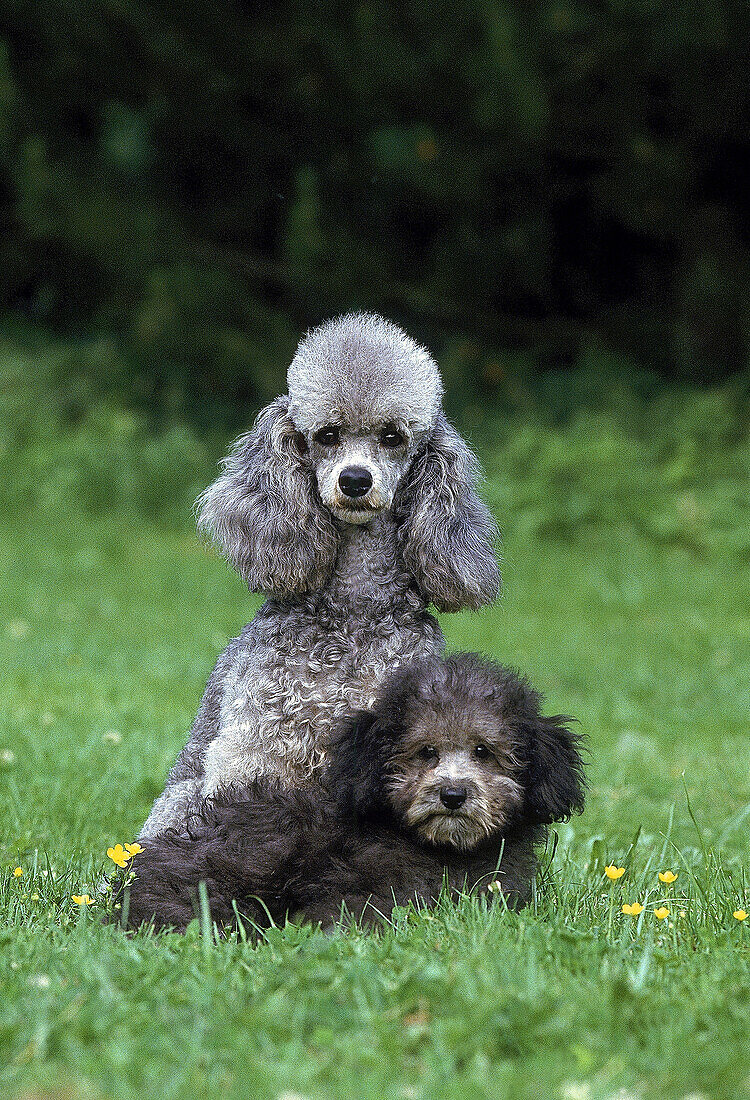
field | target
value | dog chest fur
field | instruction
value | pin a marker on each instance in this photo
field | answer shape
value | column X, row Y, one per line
column 305, row 665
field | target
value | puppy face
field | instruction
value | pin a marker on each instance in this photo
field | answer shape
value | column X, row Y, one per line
column 454, row 774
column 458, row 751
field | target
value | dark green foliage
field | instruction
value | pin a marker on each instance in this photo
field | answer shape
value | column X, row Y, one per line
column 208, row 180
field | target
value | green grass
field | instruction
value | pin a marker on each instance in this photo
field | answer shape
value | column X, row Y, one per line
column 107, row 634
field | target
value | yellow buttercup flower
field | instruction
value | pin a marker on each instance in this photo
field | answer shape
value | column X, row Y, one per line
column 82, row 899
column 667, row 876
column 661, row 912
column 614, row 872
column 133, row 849
column 118, row 855
column 632, row 910
column 739, row 914
column 17, row 872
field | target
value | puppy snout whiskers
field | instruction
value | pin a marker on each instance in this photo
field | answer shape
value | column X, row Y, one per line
column 453, row 797
column 355, row 481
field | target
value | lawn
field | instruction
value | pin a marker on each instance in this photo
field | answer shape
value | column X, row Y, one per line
column 627, row 601
column 109, row 632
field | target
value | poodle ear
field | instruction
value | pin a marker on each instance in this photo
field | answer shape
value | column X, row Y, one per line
column 356, row 772
column 554, row 782
column 264, row 511
column 448, row 535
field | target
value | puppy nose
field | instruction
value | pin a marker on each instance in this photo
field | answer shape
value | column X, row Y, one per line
column 453, row 797
column 355, row 481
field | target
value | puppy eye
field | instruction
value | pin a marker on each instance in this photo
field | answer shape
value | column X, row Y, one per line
column 391, row 437
column 328, row 436
column 481, row 752
column 428, row 753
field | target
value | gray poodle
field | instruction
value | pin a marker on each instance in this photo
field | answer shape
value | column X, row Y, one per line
column 351, row 504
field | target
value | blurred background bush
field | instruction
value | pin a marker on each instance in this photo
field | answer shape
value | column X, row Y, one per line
column 553, row 196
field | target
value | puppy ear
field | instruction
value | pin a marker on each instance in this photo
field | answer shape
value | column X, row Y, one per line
column 356, row 770
column 554, row 781
column 448, row 535
column 264, row 511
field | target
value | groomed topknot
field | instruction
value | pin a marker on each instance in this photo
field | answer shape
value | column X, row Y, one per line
column 362, row 369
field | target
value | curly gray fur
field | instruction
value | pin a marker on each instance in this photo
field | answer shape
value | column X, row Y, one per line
column 349, row 580
column 264, row 512
column 446, row 528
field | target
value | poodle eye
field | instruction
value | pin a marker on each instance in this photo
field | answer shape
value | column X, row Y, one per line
column 481, row 752
column 328, row 436
column 428, row 753
column 391, row 437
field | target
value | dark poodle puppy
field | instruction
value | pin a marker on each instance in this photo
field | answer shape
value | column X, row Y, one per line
column 450, row 779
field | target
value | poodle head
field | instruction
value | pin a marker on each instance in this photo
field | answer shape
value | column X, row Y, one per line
column 360, row 432
column 364, row 396
column 458, row 752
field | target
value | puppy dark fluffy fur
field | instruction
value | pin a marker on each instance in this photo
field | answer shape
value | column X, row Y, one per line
column 451, row 778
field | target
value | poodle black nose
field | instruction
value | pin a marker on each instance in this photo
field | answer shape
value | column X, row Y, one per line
column 453, row 797
column 355, row 481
